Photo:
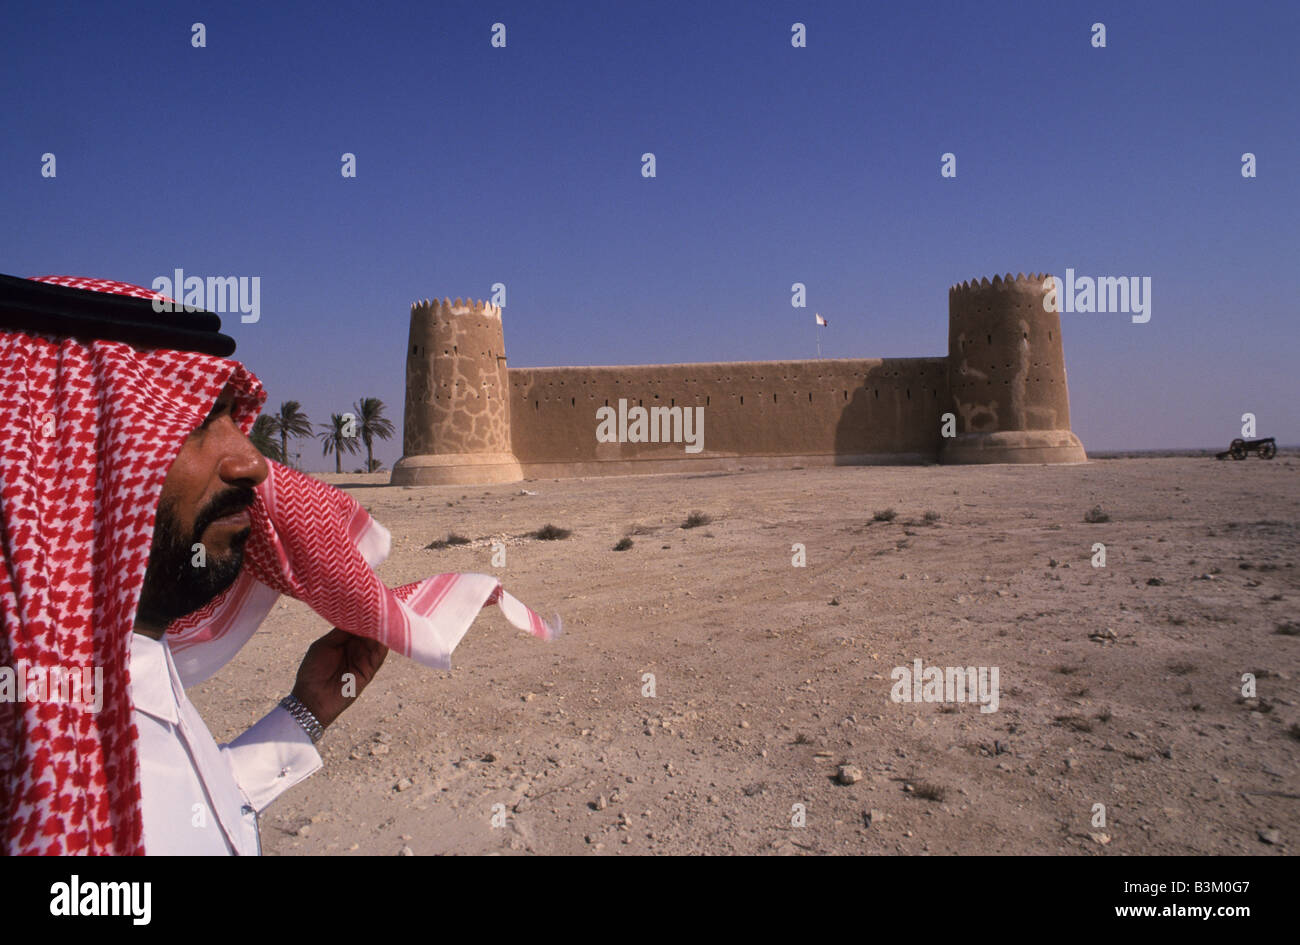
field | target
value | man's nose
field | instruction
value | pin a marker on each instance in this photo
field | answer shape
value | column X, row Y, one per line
column 241, row 461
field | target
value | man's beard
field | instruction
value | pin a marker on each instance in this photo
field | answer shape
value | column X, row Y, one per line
column 173, row 585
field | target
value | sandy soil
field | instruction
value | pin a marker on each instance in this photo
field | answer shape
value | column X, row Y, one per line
column 768, row 676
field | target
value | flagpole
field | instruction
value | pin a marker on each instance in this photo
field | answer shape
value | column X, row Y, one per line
column 819, row 341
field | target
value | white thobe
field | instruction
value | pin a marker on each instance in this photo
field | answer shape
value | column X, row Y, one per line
column 199, row 798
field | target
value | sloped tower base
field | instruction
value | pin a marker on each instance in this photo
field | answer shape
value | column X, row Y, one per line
column 1014, row 446
column 456, row 469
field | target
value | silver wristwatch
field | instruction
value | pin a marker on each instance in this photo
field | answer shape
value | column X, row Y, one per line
column 303, row 716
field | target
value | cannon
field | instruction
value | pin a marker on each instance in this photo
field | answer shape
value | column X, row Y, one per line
column 1240, row 449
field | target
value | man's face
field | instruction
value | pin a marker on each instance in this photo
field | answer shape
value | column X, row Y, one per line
column 204, row 501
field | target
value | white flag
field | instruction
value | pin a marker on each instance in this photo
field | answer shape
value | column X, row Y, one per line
column 820, row 320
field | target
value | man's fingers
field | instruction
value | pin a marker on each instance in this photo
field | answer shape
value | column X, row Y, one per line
column 371, row 655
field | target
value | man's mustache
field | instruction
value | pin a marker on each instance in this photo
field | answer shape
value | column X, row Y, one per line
column 227, row 503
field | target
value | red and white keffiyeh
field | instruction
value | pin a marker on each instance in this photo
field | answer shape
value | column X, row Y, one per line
column 88, row 432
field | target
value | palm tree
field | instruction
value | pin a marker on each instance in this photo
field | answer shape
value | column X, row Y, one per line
column 290, row 421
column 262, row 436
column 372, row 423
column 335, row 438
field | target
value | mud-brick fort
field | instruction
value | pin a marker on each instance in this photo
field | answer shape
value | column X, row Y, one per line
column 471, row 419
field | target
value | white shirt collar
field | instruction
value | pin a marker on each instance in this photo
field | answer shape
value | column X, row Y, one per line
column 151, row 684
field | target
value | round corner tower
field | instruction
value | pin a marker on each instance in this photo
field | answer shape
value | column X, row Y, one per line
column 1006, row 374
column 456, row 428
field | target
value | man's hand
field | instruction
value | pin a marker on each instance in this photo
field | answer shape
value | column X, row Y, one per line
column 320, row 684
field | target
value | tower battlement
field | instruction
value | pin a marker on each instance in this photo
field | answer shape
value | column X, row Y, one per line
column 451, row 309
column 1018, row 282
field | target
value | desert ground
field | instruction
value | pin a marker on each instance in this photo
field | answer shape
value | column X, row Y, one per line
column 1120, row 685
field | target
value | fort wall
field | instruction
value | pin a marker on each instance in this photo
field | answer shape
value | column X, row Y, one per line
column 813, row 412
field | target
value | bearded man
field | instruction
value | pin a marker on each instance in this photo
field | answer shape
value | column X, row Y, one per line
column 142, row 540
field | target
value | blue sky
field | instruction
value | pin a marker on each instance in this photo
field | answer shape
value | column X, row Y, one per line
column 775, row 165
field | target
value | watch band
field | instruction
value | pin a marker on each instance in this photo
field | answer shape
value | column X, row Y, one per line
column 303, row 716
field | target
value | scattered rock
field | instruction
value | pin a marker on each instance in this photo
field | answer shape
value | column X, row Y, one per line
column 1271, row 837
column 403, row 785
column 848, row 774
column 1096, row 515
column 406, row 851
column 601, row 802
column 1155, row 582
column 873, row 817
